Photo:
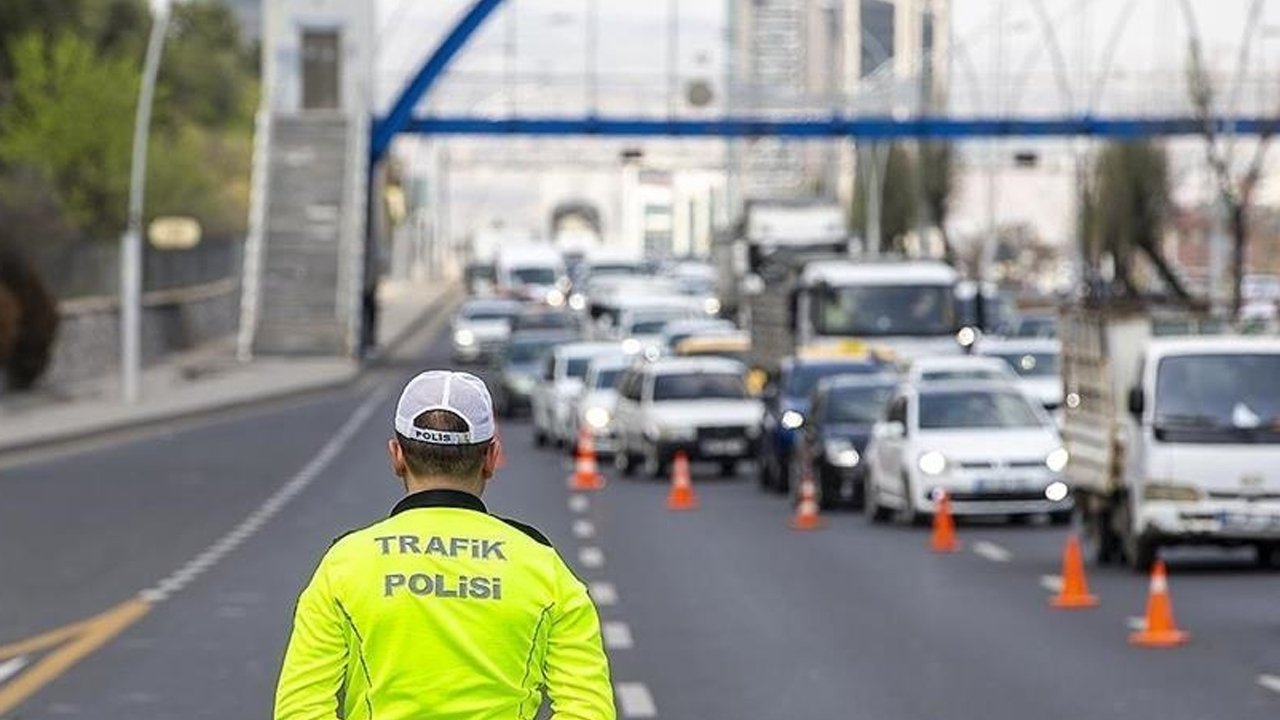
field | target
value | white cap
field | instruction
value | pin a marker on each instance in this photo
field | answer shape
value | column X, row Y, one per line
column 463, row 394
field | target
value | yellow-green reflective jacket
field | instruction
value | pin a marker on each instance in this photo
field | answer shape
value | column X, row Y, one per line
column 444, row 611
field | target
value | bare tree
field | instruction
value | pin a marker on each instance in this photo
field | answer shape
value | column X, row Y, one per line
column 1235, row 191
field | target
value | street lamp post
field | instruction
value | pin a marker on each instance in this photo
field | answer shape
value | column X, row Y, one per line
column 131, row 241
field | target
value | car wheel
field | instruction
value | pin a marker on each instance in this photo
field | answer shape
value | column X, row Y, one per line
column 909, row 514
column 1141, row 552
column 768, row 474
column 625, row 462
column 828, row 490
column 871, row 507
column 1061, row 517
column 1267, row 555
column 728, row 468
column 539, row 437
column 653, row 465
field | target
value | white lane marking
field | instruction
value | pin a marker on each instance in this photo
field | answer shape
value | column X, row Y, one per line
column 992, row 552
column 635, row 700
column 1136, row 623
column 604, row 593
column 1270, row 682
column 583, row 529
column 181, row 577
column 579, row 503
column 1052, row 583
column 12, row 667
column 592, row 557
column 617, row 635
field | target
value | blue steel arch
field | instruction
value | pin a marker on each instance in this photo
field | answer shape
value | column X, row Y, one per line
column 400, row 118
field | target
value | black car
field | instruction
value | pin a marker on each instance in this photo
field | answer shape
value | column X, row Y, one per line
column 842, row 411
column 515, row 369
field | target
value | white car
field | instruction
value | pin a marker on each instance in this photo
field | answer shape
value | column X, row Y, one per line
column 561, row 376
column 985, row 444
column 593, row 408
column 481, row 327
column 677, row 330
column 1035, row 361
column 960, row 367
column 699, row 406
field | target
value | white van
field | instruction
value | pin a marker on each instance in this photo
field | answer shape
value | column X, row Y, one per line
column 531, row 272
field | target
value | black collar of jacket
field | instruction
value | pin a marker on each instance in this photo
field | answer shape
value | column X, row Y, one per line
column 439, row 498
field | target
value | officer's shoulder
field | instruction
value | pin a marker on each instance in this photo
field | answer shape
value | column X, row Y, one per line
column 529, row 530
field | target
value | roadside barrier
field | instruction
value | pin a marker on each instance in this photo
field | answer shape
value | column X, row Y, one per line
column 1161, row 631
column 1074, row 594
column 586, row 471
column 682, row 495
column 807, row 516
column 944, row 527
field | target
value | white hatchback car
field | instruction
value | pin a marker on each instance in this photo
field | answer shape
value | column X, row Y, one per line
column 985, row 444
column 698, row 406
column 961, row 367
column 561, row 376
column 593, row 408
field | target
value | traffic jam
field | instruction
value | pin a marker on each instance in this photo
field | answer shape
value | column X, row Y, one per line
column 886, row 387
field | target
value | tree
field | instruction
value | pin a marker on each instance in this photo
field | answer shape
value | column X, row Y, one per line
column 71, row 118
column 899, row 201
column 1126, row 212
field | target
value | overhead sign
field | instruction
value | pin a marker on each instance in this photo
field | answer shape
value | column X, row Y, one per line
column 174, row 233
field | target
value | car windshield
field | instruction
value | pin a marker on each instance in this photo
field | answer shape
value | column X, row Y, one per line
column 544, row 321
column 1031, row 364
column 883, row 310
column 648, row 327
column 606, row 379
column 803, row 378
column 534, row 275
column 521, row 352
column 976, row 409
column 862, row 405
column 698, row 386
column 1037, row 326
column 962, row 374
column 488, row 312
column 1225, row 398
column 577, row 368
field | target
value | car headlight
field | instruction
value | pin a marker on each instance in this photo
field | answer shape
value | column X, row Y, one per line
column 1057, row 460
column 578, row 301
column 792, row 420
column 711, row 306
column 631, row 346
column 597, row 417
column 523, row 383
column 1171, row 492
column 932, row 463
column 1057, row 491
column 464, row 338
column 555, row 298
column 842, row 453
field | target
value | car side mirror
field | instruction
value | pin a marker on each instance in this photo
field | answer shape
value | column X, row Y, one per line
column 1137, row 402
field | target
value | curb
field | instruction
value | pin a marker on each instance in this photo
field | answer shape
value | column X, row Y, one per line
column 142, row 421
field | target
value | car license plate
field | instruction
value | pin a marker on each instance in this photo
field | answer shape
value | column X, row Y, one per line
column 1249, row 522
column 1001, row 485
column 715, row 448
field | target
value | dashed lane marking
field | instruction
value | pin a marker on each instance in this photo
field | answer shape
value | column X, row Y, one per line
column 579, row 503
column 583, row 529
column 604, row 593
column 992, row 552
column 9, row 668
column 1052, row 583
column 1136, row 623
column 1270, row 682
column 591, row 557
column 635, row 700
column 617, row 635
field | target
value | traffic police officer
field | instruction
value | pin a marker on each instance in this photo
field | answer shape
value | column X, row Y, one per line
column 443, row 610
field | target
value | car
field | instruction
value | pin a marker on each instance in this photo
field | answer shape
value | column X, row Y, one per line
column 1036, row 325
column 842, row 411
column 1035, row 361
column 984, row 443
column 699, row 406
column 594, row 407
column 962, row 367
column 641, row 322
column 786, row 402
column 516, row 368
column 734, row 345
column 481, row 327
column 560, row 380
column 535, row 317
column 677, row 330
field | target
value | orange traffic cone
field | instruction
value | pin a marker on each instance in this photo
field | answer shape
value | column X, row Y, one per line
column 1074, row 594
column 807, row 517
column 1161, row 630
column 944, row 528
column 586, row 473
column 682, row 496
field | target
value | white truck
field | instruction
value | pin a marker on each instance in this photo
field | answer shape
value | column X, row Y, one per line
column 904, row 306
column 1173, row 440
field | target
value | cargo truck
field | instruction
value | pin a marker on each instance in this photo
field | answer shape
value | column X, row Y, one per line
column 1173, row 439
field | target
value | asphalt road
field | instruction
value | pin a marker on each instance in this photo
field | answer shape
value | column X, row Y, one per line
column 723, row 612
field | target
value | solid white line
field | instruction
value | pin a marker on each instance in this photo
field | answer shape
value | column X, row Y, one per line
column 992, row 552
column 579, row 503
column 592, row 557
column 329, row 452
column 1270, row 682
column 12, row 667
column 1136, row 623
column 617, row 635
column 604, row 593
column 635, row 700
column 583, row 529
column 1052, row 583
